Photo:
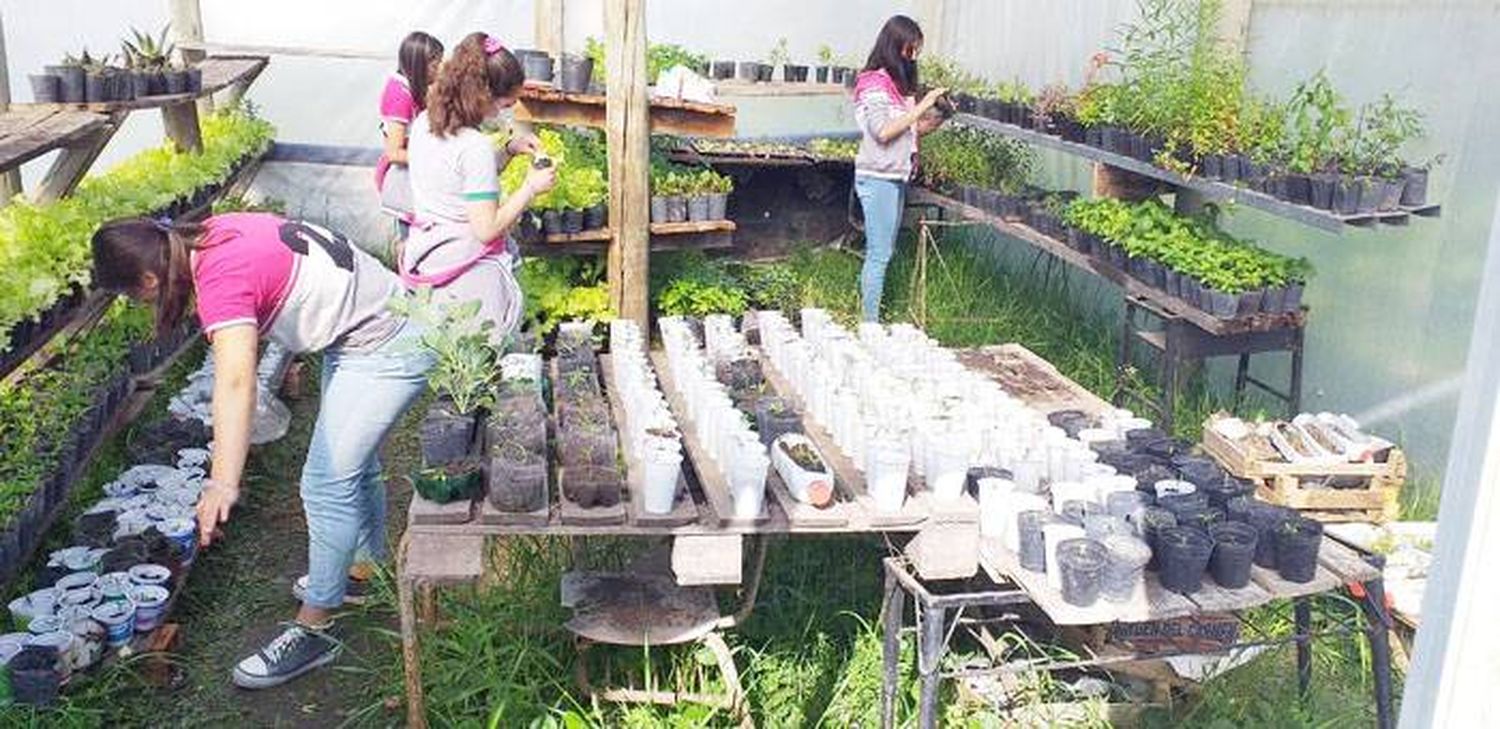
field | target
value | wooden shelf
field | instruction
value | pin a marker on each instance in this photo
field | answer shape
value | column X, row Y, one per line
column 219, row 73
column 29, row 131
column 543, row 103
column 779, row 88
column 704, row 235
column 1211, row 189
column 1083, row 262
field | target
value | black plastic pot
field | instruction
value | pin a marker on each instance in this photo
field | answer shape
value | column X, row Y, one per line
column 1234, row 551
column 579, row 447
column 1150, row 522
column 1370, row 193
column 35, row 675
column 45, row 88
column 576, row 73
column 1320, row 190
column 1222, row 305
column 572, row 222
column 1298, row 189
column 1080, row 564
column 176, row 81
column 1183, row 554
column 552, row 222
column 1390, row 194
column 1414, row 187
column 194, row 80
column 658, row 209
column 821, row 74
column 71, row 83
column 1345, row 196
column 1033, row 547
column 1070, row 421
column 1211, row 166
column 1297, row 543
column 445, row 436
column 1179, row 503
column 764, row 72
column 537, row 66
column 775, row 417
column 94, row 89
column 722, row 70
column 794, row 74
column 851, row 77
column 1267, row 520
column 596, row 217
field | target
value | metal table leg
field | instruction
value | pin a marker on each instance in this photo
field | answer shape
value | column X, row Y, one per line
column 1302, row 612
column 930, row 646
column 1379, row 631
column 895, row 605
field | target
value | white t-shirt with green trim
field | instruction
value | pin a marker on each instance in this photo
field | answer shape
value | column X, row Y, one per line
column 449, row 172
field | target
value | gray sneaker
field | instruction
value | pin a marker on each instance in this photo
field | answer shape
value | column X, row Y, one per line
column 356, row 592
column 296, row 651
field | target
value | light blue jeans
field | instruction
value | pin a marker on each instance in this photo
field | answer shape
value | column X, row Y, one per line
column 882, row 201
column 364, row 395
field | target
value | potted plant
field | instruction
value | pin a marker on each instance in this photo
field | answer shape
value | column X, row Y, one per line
column 722, row 70
column 790, row 72
column 147, row 57
column 70, row 79
column 1234, row 552
column 695, row 194
column 824, row 72
column 718, row 188
column 577, row 72
column 775, row 417
column 662, row 466
column 1127, row 559
column 1184, row 553
column 803, row 469
column 1297, row 542
column 591, row 486
column 463, row 380
column 535, row 65
column 517, row 477
column 1081, row 564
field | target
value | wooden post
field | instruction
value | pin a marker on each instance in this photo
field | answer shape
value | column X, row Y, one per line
column 187, row 28
column 10, row 180
column 629, row 140
column 549, row 26
column 181, row 122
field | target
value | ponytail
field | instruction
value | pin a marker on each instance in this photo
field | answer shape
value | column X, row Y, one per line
column 127, row 249
column 479, row 72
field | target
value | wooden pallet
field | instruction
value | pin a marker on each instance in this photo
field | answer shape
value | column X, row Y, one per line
column 1280, row 482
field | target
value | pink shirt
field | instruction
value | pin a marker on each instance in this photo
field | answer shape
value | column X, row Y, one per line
column 397, row 106
column 300, row 284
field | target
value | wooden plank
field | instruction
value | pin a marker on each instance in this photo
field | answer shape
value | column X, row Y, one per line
column 733, row 88
column 181, row 123
column 1151, row 602
column 1345, row 563
column 684, row 510
column 444, row 559
column 711, row 477
column 1031, row 379
column 70, row 167
column 424, row 511
column 543, row 104
column 1087, row 264
column 1246, row 461
column 26, row 134
column 1215, row 598
column 628, row 138
column 806, row 516
column 219, row 73
column 1323, row 581
column 547, row 26
column 540, row 517
column 848, row 480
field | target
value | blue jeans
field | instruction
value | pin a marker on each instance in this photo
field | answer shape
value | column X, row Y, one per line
column 364, row 395
column 882, row 201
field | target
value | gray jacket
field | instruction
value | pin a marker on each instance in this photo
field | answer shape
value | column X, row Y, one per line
column 893, row 160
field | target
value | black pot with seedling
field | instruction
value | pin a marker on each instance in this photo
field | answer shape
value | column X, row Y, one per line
column 775, row 417
column 1414, row 187
column 71, row 80
column 576, row 73
column 517, row 479
column 1183, row 554
column 1320, row 191
column 46, row 88
column 1233, row 555
column 591, row 486
column 1297, row 542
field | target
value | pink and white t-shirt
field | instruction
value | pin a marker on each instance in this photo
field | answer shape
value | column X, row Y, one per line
column 398, row 106
column 302, row 285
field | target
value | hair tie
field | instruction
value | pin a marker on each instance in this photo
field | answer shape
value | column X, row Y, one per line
column 492, row 45
column 163, row 224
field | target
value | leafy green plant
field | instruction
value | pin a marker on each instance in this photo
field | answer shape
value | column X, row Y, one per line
column 45, row 248
column 578, row 157
column 961, row 155
column 1384, row 128
column 143, row 52
column 467, row 364
column 563, row 288
column 779, row 56
column 825, row 55
column 1320, row 129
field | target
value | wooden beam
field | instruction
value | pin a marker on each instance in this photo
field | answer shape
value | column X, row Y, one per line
column 548, row 33
column 187, row 28
column 74, row 162
column 181, row 122
column 629, row 144
column 10, row 180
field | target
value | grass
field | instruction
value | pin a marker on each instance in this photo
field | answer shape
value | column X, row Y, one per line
column 810, row 655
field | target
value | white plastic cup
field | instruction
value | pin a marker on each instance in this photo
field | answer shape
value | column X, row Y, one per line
column 662, row 468
column 994, row 497
column 888, row 462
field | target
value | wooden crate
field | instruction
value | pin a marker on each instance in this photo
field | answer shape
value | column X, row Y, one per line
column 1280, row 482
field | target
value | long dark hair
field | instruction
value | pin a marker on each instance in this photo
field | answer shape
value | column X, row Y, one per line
column 418, row 51
column 127, row 249
column 468, row 84
column 889, row 53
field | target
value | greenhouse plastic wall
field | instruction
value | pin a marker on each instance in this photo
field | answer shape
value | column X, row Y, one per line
column 1391, row 307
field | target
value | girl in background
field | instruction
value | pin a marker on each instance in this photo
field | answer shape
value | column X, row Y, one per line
column 401, row 101
column 459, row 242
column 890, row 120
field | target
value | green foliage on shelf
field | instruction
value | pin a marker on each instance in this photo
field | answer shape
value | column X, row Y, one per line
column 659, row 57
column 1190, row 246
column 466, row 363
column 834, row 148
column 671, row 179
column 37, row 410
column 578, row 156
column 564, row 288
column 44, row 249
column 689, row 283
column 960, row 155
